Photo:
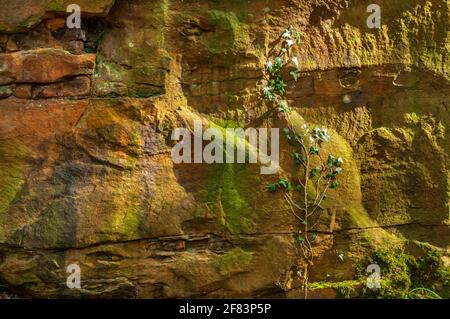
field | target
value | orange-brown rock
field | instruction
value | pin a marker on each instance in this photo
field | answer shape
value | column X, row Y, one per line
column 55, row 24
column 19, row 15
column 97, row 7
column 43, row 66
column 78, row 86
column 23, row 91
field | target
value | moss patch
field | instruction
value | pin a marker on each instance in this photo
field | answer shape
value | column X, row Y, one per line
column 227, row 185
column 12, row 169
column 344, row 289
column 403, row 275
column 120, row 217
column 57, row 225
column 402, row 272
column 233, row 261
column 98, row 6
column 230, row 34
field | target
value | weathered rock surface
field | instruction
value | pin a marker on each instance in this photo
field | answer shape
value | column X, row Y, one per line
column 20, row 15
column 43, row 66
column 86, row 175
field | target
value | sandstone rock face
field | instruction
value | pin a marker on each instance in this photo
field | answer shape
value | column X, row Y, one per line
column 86, row 175
column 43, row 66
column 20, row 15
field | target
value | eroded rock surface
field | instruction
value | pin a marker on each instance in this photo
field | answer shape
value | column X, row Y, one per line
column 86, row 175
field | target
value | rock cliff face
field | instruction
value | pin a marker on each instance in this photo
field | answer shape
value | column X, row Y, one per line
column 86, row 175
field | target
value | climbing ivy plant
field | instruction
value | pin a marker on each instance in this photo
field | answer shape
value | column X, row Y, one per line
column 316, row 173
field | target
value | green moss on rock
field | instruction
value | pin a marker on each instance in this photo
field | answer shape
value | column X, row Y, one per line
column 13, row 156
column 120, row 217
column 344, row 289
column 95, row 7
column 57, row 225
column 233, row 261
column 230, row 36
column 401, row 272
column 228, row 189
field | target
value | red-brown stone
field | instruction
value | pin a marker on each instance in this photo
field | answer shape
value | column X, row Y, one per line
column 43, row 66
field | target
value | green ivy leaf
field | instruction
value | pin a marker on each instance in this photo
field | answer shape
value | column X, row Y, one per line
column 280, row 86
column 299, row 239
column 315, row 171
column 282, row 107
column 279, row 62
column 285, row 183
column 330, row 161
column 330, row 172
column 334, row 185
column 321, row 135
column 338, row 162
column 298, row 158
column 298, row 188
column 272, row 188
column 314, row 150
column 294, row 75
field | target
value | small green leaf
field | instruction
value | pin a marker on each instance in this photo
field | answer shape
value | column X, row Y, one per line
column 294, row 75
column 314, row 150
column 330, row 161
column 279, row 62
column 286, row 134
column 330, row 172
column 313, row 236
column 285, row 183
column 321, row 134
column 334, row 185
column 298, row 158
column 298, row 188
column 338, row 162
column 299, row 239
column 272, row 188
column 315, row 171
column 338, row 170
column 283, row 107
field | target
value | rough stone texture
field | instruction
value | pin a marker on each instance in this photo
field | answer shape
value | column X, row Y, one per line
column 89, row 180
column 20, row 15
column 97, row 7
column 43, row 66
column 78, row 86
